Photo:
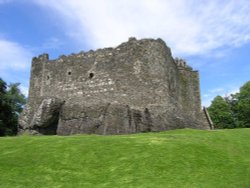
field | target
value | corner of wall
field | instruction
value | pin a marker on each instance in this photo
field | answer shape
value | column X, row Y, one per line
column 189, row 86
column 37, row 76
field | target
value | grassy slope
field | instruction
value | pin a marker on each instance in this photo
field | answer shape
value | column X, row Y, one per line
column 179, row 158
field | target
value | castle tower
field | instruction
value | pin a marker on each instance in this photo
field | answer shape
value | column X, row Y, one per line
column 135, row 87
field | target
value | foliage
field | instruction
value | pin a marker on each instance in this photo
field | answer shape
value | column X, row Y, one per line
column 11, row 105
column 233, row 111
column 241, row 105
column 179, row 158
column 221, row 113
column 17, row 99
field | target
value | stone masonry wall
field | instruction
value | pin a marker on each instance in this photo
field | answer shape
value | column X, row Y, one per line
column 135, row 87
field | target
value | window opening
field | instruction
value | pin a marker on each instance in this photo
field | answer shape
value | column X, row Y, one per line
column 91, row 75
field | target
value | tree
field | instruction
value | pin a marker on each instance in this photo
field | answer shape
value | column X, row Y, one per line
column 221, row 113
column 16, row 98
column 241, row 105
column 11, row 105
column 5, row 109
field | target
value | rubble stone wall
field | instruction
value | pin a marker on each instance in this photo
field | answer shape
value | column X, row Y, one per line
column 135, row 87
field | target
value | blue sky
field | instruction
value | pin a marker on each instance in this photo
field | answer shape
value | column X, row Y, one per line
column 213, row 36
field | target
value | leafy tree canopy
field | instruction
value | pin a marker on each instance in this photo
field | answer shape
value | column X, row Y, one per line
column 221, row 113
column 241, row 102
column 11, row 105
column 233, row 111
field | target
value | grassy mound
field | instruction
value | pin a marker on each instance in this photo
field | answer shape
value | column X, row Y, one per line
column 179, row 158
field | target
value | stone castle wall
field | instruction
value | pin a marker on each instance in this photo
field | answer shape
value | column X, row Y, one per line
column 135, row 87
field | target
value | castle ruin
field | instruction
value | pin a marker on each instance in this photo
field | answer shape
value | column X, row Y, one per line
column 135, row 87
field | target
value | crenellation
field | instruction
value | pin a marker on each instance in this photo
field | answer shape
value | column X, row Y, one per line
column 43, row 57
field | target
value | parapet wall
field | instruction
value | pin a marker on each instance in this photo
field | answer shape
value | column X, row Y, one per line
column 139, row 76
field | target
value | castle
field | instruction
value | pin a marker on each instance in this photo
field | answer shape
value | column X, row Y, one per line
column 135, row 87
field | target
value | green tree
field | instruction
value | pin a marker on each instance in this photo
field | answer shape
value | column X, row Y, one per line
column 16, row 98
column 11, row 105
column 241, row 105
column 221, row 113
column 5, row 109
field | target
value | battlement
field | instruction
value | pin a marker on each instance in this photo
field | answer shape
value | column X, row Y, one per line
column 181, row 63
column 42, row 57
column 138, row 76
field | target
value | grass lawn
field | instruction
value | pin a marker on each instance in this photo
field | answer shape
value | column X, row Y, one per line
column 179, row 158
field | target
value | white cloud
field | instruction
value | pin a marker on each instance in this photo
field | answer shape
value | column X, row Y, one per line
column 52, row 43
column 217, row 90
column 224, row 92
column 15, row 61
column 24, row 90
column 13, row 56
column 189, row 27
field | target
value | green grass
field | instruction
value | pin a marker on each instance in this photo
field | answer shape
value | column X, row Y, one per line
column 179, row 158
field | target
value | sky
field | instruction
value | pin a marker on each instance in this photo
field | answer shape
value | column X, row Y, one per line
column 213, row 36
